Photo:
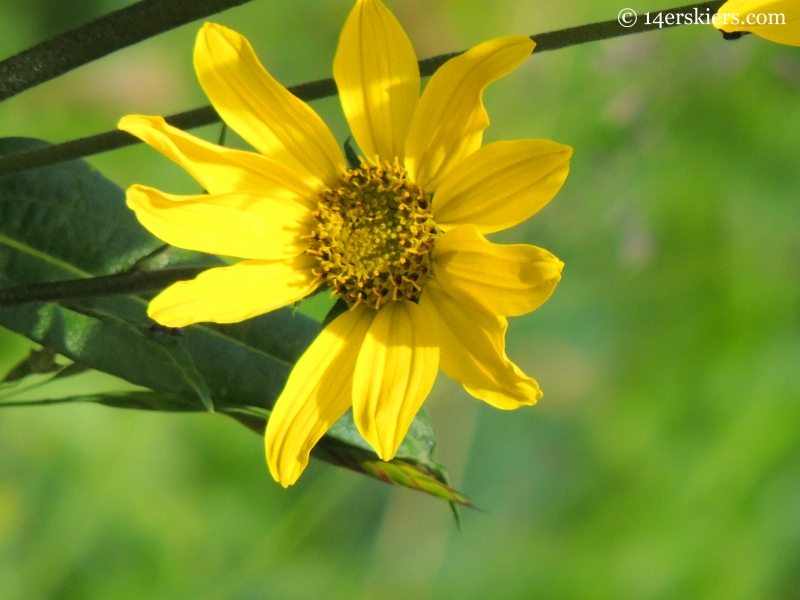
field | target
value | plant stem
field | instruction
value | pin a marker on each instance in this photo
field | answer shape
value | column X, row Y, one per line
column 100, row 37
column 322, row 88
column 135, row 282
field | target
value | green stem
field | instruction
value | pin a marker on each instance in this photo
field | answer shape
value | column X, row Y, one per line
column 322, row 88
column 48, row 402
column 136, row 282
column 100, row 37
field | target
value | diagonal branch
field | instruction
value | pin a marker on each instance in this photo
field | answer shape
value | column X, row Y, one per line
column 102, row 36
column 322, row 88
column 135, row 282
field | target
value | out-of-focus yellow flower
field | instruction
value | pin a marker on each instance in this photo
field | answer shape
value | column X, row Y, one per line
column 774, row 20
column 401, row 238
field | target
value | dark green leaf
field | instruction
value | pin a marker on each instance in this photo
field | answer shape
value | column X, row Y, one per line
column 65, row 222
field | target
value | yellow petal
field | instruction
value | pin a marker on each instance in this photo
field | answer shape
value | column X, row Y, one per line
column 507, row 280
column 780, row 19
column 318, row 392
column 219, row 170
column 377, row 75
column 450, row 118
column 472, row 345
column 233, row 294
column 242, row 224
column 395, row 371
column 502, row 184
column 276, row 123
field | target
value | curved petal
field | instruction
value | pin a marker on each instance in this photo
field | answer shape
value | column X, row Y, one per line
column 450, row 118
column 218, row 169
column 501, row 184
column 240, row 224
column 261, row 110
column 395, row 371
column 318, row 392
column 472, row 345
column 233, row 294
column 507, row 280
column 781, row 19
column 377, row 75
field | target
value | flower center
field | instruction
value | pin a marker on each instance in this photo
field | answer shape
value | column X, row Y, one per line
column 374, row 236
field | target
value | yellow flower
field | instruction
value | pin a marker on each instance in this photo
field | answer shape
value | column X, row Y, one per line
column 401, row 238
column 774, row 20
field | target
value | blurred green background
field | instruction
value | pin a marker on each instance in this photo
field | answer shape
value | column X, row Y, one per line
column 664, row 458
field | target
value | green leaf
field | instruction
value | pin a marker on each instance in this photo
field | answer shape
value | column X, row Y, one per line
column 166, row 346
column 68, row 221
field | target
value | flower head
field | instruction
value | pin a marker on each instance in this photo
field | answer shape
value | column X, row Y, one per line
column 774, row 20
column 400, row 238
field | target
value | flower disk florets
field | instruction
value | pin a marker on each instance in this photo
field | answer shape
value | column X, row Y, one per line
column 374, row 236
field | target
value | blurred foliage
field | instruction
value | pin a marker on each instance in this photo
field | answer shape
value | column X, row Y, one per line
column 47, row 18
column 664, row 459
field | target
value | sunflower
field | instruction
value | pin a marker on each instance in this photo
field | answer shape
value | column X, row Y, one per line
column 774, row 20
column 400, row 238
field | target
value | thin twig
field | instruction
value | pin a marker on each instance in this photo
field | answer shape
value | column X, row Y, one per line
column 100, row 37
column 314, row 90
column 135, row 282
